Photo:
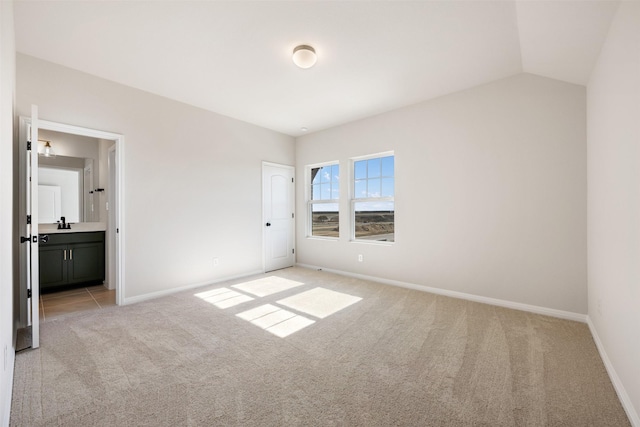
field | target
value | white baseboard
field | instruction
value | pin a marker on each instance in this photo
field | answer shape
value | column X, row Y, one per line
column 461, row 295
column 615, row 379
column 158, row 294
column 7, row 404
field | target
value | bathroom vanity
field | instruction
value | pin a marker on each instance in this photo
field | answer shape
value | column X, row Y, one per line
column 73, row 256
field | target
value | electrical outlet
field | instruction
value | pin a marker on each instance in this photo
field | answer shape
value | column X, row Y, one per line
column 216, row 262
column 360, row 258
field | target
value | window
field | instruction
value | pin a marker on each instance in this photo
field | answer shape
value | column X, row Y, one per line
column 373, row 204
column 323, row 203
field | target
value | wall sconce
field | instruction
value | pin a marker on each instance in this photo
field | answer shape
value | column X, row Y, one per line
column 48, row 150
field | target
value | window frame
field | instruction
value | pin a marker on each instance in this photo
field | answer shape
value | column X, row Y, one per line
column 353, row 200
column 311, row 202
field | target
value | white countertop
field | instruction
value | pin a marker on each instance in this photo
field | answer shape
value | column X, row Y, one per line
column 75, row 228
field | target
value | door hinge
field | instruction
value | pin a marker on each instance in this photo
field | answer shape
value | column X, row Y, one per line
column 293, row 251
column 28, row 145
column 291, row 179
column 292, row 215
column 29, row 293
column 28, row 219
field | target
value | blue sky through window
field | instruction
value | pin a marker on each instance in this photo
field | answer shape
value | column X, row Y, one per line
column 374, row 178
column 325, row 184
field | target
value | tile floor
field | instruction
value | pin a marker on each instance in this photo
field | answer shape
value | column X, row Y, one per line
column 74, row 300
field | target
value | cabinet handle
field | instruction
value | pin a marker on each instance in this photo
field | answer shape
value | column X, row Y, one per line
column 65, row 255
column 71, row 254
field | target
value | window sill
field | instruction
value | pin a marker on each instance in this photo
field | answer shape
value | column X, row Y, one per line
column 372, row 242
column 327, row 239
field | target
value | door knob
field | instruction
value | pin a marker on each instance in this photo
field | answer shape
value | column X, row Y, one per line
column 268, row 224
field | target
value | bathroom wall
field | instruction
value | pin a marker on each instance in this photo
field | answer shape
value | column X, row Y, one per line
column 74, row 151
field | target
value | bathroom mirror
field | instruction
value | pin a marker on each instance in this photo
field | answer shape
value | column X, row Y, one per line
column 65, row 188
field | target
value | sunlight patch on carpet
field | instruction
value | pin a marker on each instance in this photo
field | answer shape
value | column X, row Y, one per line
column 319, row 302
column 223, row 297
column 267, row 286
column 276, row 320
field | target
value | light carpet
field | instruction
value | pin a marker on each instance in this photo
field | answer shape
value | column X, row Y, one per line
column 303, row 347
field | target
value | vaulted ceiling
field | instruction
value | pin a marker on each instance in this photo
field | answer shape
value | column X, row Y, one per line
column 234, row 57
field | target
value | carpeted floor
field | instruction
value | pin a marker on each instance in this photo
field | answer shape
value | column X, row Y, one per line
column 301, row 347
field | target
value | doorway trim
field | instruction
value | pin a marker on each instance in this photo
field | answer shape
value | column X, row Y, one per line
column 111, row 215
column 119, row 215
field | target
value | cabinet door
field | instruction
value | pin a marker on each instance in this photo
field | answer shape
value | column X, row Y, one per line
column 53, row 265
column 86, row 262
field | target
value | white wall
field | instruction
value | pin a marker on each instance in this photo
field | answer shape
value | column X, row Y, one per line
column 192, row 177
column 101, row 199
column 7, row 318
column 66, row 144
column 490, row 193
column 62, row 162
column 613, row 129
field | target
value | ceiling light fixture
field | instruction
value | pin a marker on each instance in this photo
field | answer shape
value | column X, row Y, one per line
column 304, row 56
column 48, row 150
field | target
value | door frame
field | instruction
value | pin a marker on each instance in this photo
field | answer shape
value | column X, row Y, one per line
column 120, row 177
column 262, row 213
column 111, row 216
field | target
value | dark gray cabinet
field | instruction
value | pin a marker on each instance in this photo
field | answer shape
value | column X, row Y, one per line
column 71, row 259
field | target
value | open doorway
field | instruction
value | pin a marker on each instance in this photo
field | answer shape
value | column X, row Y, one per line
column 81, row 179
column 73, row 187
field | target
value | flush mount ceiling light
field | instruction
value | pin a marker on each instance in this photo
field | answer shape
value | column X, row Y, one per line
column 48, row 150
column 304, row 56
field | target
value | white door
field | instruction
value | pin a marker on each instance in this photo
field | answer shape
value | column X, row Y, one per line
column 278, row 216
column 30, row 236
